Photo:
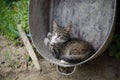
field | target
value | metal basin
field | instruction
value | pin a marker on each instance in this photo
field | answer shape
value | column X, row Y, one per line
column 93, row 21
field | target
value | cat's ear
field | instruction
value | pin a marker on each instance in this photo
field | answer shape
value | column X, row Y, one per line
column 55, row 26
column 69, row 27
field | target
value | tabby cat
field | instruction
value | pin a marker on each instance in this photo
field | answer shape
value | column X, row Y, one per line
column 64, row 48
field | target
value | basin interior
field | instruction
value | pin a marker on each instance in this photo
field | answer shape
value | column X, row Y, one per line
column 92, row 21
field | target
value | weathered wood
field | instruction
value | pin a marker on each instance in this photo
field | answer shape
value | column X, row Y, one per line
column 28, row 47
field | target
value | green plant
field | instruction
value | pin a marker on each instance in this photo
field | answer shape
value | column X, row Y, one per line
column 11, row 15
column 114, row 48
column 22, row 13
column 6, row 21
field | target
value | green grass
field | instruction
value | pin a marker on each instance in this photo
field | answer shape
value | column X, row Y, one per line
column 16, row 12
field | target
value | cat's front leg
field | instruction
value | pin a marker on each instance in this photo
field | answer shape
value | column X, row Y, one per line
column 49, row 35
column 46, row 41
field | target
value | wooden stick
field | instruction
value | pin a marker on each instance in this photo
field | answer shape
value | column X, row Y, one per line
column 28, row 47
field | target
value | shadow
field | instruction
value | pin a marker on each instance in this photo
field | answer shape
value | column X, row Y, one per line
column 101, row 68
column 118, row 18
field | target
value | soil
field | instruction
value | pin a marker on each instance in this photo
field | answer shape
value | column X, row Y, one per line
column 15, row 64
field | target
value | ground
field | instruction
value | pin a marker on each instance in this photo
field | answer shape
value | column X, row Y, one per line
column 15, row 64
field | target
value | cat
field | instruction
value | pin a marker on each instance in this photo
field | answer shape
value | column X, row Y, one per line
column 66, row 49
column 55, row 40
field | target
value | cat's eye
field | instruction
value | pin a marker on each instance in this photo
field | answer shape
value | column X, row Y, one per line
column 62, row 37
column 58, row 35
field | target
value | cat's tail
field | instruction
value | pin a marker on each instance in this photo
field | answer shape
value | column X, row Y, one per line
column 70, row 59
column 73, row 58
column 76, row 58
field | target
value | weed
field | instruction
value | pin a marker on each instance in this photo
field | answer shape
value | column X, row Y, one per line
column 11, row 15
column 114, row 48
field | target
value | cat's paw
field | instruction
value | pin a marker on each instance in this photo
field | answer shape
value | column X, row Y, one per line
column 49, row 34
column 46, row 41
column 63, row 62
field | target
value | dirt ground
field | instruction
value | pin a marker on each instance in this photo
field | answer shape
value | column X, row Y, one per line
column 15, row 64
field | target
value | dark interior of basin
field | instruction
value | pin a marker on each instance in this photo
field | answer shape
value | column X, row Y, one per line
column 91, row 19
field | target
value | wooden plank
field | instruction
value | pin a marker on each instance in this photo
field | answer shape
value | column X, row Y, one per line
column 28, row 47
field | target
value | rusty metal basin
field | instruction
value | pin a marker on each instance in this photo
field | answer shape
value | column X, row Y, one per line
column 93, row 21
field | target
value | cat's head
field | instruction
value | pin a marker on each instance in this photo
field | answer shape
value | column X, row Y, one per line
column 60, row 34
